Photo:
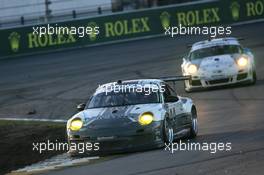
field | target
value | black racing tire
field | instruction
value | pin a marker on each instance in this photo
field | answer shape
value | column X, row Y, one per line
column 167, row 131
column 254, row 77
column 253, row 81
column 186, row 90
column 194, row 125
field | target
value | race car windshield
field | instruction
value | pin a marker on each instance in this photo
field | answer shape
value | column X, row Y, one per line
column 216, row 50
column 112, row 99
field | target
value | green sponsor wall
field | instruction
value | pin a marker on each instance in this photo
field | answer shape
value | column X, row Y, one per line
column 143, row 23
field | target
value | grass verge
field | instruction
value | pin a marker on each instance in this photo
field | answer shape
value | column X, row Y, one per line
column 17, row 138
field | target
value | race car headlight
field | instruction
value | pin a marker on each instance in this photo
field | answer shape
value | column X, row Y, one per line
column 76, row 124
column 146, row 118
column 192, row 69
column 242, row 62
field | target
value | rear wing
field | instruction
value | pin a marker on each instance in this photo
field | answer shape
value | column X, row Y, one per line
column 175, row 78
column 210, row 39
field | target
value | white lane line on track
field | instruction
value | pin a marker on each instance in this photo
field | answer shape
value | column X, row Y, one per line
column 56, row 162
column 34, row 120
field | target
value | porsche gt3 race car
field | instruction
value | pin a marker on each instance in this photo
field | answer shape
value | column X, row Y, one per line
column 144, row 114
column 218, row 62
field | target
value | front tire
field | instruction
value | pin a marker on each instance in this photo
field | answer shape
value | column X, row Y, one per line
column 187, row 90
column 167, row 131
column 254, row 77
column 194, row 125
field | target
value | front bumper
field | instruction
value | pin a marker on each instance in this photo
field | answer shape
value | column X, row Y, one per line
column 199, row 82
column 112, row 140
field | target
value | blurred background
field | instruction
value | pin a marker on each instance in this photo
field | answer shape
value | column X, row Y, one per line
column 17, row 12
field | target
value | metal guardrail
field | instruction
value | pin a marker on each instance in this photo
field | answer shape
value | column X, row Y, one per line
column 48, row 14
column 56, row 16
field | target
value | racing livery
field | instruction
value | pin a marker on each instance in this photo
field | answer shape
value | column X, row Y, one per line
column 131, row 120
column 218, row 62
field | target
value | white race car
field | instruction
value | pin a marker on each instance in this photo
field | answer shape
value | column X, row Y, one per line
column 218, row 62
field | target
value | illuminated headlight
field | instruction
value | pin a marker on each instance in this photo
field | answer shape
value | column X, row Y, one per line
column 242, row 62
column 146, row 118
column 76, row 124
column 192, row 69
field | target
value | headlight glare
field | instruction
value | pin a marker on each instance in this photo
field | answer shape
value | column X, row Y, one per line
column 192, row 69
column 146, row 118
column 76, row 124
column 242, row 62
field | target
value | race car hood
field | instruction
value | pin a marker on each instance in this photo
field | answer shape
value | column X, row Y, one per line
column 217, row 66
column 221, row 61
column 131, row 113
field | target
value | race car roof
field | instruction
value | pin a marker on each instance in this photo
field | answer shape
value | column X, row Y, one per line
column 150, row 83
column 214, row 42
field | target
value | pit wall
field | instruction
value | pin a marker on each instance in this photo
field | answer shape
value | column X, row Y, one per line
column 130, row 25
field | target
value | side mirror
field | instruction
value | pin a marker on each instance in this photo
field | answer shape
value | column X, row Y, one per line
column 171, row 99
column 247, row 51
column 185, row 58
column 80, row 107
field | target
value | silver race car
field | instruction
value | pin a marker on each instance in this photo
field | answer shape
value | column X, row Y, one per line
column 218, row 62
column 134, row 114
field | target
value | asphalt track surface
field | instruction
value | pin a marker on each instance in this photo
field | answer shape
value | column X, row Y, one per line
column 52, row 84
